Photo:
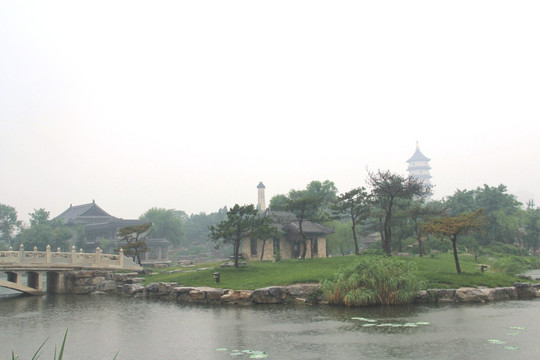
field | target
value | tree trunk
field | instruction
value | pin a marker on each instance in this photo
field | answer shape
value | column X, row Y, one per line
column 387, row 241
column 304, row 241
column 262, row 250
column 356, row 249
column 304, row 249
column 420, row 247
column 454, row 240
column 235, row 252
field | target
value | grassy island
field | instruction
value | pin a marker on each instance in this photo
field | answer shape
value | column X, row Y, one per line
column 436, row 271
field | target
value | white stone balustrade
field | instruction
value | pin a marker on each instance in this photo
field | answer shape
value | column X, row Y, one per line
column 47, row 258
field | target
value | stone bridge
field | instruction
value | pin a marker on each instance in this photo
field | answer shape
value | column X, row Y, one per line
column 35, row 264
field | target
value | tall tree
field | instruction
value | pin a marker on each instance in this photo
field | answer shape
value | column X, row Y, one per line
column 166, row 224
column 386, row 187
column 313, row 204
column 39, row 216
column 326, row 192
column 419, row 212
column 305, row 206
column 355, row 205
column 242, row 222
column 501, row 209
column 9, row 223
column 135, row 240
column 452, row 226
column 532, row 226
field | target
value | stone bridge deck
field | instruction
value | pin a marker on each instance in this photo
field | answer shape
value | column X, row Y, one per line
column 54, row 264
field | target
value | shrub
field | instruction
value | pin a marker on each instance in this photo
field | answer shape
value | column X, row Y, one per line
column 373, row 280
column 515, row 264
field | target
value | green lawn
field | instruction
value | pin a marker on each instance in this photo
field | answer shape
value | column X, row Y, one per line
column 436, row 272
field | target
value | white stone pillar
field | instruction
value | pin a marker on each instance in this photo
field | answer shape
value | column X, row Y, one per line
column 121, row 257
column 21, row 254
column 48, row 254
column 73, row 254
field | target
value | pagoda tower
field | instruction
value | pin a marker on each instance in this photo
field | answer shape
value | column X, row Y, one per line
column 419, row 166
column 261, row 203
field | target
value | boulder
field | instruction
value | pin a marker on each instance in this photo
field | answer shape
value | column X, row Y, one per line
column 525, row 290
column 441, row 295
column 237, row 297
column 469, row 294
column 269, row 295
column 504, row 293
column 107, row 286
column 304, row 291
column 181, row 294
column 197, row 295
column 132, row 289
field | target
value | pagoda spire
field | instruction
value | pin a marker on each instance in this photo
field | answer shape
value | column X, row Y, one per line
column 419, row 166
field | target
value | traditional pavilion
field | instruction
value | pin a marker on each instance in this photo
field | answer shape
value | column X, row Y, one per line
column 419, row 166
column 100, row 225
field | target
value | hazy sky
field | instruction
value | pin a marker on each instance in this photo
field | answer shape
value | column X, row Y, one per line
column 189, row 104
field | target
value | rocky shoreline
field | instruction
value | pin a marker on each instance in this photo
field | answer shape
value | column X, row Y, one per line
column 130, row 285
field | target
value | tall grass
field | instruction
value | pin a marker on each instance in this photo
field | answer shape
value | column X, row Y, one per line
column 373, row 280
column 60, row 356
column 37, row 354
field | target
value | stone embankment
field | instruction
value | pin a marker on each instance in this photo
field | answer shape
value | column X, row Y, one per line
column 129, row 285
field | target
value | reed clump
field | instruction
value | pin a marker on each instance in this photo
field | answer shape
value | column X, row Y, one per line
column 373, row 280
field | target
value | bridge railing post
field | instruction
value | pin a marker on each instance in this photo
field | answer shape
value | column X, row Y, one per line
column 21, row 254
column 48, row 254
column 121, row 255
column 97, row 258
column 73, row 254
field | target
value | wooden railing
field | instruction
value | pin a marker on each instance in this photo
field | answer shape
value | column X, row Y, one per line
column 50, row 258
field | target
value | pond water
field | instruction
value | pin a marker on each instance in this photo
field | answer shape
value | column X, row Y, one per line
column 101, row 325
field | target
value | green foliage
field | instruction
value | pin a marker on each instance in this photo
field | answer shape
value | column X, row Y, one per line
column 134, row 240
column 8, row 223
column 437, row 272
column 515, row 264
column 43, row 234
column 197, row 225
column 166, row 224
column 355, row 206
column 39, row 216
column 500, row 248
column 386, row 189
column 509, row 265
column 340, row 241
column 373, row 280
column 242, row 222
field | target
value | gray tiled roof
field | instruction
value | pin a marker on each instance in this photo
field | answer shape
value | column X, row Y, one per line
column 418, row 156
column 85, row 214
column 285, row 220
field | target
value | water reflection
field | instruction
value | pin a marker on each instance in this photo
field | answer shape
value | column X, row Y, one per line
column 99, row 326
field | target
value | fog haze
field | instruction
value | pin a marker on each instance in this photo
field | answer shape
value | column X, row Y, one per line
column 188, row 105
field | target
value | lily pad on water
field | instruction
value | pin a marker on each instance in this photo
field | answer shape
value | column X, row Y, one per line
column 253, row 354
column 369, row 325
column 511, row 347
column 222, row 349
column 422, row 323
column 513, row 334
column 496, row 341
column 262, row 355
column 517, row 327
column 364, row 319
column 410, row 325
